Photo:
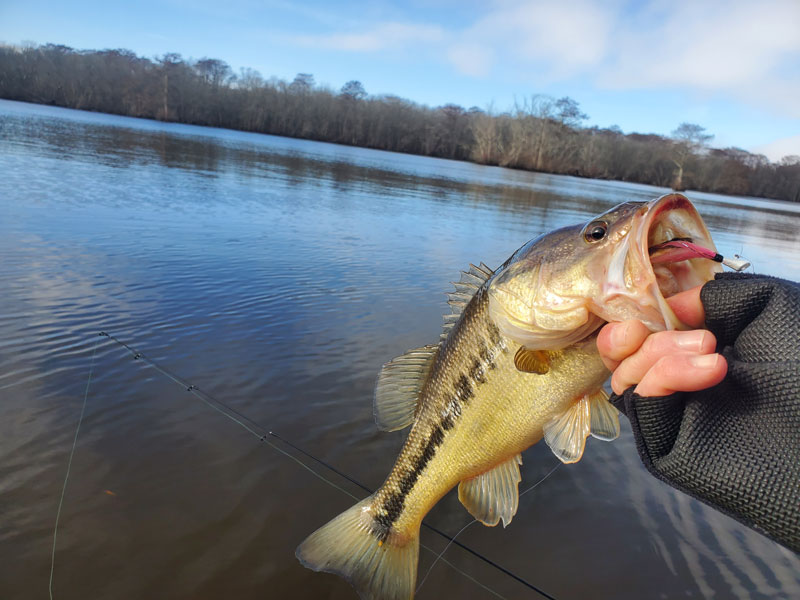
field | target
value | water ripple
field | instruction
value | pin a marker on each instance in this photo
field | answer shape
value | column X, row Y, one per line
column 279, row 275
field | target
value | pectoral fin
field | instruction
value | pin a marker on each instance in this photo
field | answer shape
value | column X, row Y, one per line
column 399, row 385
column 532, row 361
column 566, row 434
column 605, row 418
column 493, row 495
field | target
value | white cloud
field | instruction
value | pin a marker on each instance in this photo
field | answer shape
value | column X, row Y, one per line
column 739, row 49
column 568, row 34
column 732, row 47
column 559, row 37
column 710, row 44
column 384, row 36
column 779, row 148
column 471, row 59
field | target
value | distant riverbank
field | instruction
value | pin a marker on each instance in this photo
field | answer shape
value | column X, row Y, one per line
column 540, row 133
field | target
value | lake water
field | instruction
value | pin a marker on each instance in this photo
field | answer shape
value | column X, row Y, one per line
column 278, row 275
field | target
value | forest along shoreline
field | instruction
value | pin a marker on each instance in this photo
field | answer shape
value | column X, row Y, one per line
column 539, row 133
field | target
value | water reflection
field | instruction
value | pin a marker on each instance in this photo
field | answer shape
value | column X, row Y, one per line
column 279, row 275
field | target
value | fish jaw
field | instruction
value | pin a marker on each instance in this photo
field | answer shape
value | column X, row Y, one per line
column 560, row 287
column 635, row 288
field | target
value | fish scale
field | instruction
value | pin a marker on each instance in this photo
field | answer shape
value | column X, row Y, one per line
column 452, row 384
column 517, row 362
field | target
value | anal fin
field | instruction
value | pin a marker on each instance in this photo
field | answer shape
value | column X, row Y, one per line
column 494, row 495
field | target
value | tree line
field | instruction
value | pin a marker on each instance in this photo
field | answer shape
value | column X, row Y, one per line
column 539, row 133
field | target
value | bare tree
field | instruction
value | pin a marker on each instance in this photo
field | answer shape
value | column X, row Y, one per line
column 487, row 146
column 689, row 139
column 169, row 64
column 250, row 79
column 354, row 90
column 303, row 83
column 568, row 112
column 214, row 71
column 541, row 133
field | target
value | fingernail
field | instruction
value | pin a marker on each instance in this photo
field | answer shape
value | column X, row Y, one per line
column 619, row 334
column 691, row 340
column 704, row 361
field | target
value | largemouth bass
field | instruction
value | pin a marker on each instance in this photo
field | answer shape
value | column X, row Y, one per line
column 517, row 362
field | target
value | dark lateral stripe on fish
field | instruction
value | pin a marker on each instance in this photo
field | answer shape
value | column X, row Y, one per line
column 463, row 389
column 487, row 356
column 393, row 505
column 494, row 333
column 477, row 371
column 463, row 392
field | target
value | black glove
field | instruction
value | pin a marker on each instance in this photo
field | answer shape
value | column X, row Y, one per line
column 736, row 446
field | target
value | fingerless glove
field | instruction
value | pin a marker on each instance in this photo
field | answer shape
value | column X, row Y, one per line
column 736, row 446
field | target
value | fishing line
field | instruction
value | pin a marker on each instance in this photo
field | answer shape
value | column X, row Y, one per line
column 231, row 413
column 69, row 466
column 254, row 428
column 137, row 356
column 441, row 554
column 460, row 531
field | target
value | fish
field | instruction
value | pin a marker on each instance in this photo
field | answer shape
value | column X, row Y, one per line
column 517, row 362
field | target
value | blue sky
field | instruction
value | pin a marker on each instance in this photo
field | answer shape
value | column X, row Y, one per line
column 730, row 66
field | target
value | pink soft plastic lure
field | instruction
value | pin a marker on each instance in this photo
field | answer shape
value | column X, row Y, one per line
column 677, row 250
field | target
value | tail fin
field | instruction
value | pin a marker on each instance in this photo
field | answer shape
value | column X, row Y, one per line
column 348, row 547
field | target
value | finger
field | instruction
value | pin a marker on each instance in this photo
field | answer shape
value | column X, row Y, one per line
column 688, row 307
column 664, row 343
column 683, row 373
column 617, row 341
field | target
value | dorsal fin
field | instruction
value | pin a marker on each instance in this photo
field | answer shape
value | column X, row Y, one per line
column 399, row 385
column 493, row 495
column 470, row 282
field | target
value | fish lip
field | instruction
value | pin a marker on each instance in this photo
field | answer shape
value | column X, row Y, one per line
column 656, row 212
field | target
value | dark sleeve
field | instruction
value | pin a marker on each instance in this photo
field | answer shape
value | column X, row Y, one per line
column 736, row 446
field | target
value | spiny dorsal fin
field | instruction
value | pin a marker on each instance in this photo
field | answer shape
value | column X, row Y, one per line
column 566, row 434
column 604, row 417
column 399, row 385
column 532, row 361
column 470, row 282
column 493, row 495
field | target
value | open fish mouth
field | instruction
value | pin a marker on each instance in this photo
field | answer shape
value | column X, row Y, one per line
column 677, row 247
column 666, row 249
column 622, row 265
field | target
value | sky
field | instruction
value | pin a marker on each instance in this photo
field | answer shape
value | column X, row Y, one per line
column 730, row 66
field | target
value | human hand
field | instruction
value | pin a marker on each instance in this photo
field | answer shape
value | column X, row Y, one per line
column 667, row 361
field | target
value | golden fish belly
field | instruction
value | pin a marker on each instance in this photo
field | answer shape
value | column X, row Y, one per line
column 473, row 418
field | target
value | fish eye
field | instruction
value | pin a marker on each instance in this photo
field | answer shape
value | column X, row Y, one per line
column 595, row 231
